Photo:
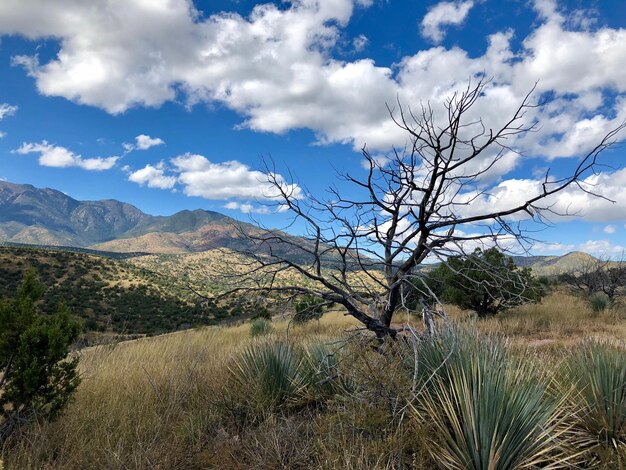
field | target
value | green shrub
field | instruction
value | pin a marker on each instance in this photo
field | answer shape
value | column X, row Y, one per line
column 598, row 373
column 485, row 409
column 486, row 281
column 38, row 379
column 599, row 302
column 308, row 308
column 260, row 326
column 262, row 312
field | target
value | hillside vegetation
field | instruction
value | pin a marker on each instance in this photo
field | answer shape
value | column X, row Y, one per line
column 555, row 265
column 109, row 295
column 180, row 401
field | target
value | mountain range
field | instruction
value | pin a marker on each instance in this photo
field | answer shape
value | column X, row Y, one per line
column 30, row 215
column 34, row 216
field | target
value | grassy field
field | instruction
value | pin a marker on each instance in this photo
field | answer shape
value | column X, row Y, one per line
column 192, row 399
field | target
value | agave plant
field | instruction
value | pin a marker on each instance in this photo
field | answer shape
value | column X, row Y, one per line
column 598, row 372
column 487, row 410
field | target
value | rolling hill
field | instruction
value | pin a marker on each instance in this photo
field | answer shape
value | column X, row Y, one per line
column 111, row 296
column 555, row 265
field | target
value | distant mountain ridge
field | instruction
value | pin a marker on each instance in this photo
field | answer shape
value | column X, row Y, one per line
column 554, row 265
column 37, row 216
column 30, row 215
column 47, row 217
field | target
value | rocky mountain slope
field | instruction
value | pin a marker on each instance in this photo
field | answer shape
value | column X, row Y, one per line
column 30, row 215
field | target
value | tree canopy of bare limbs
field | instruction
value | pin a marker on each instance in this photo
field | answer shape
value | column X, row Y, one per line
column 414, row 205
column 601, row 276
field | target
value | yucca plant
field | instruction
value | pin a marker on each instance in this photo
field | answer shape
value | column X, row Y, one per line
column 324, row 378
column 271, row 373
column 486, row 410
column 279, row 375
column 598, row 375
column 321, row 365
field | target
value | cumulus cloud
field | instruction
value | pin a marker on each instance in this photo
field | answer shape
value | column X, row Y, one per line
column 215, row 181
column 610, row 229
column 144, row 142
column 441, row 15
column 247, row 208
column 570, row 202
column 201, row 177
column 152, row 176
column 598, row 248
column 60, row 157
column 601, row 248
column 275, row 67
column 547, row 10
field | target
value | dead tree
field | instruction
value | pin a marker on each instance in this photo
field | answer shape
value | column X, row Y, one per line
column 598, row 276
column 361, row 251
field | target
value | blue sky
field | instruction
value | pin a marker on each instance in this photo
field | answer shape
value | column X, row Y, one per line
column 169, row 104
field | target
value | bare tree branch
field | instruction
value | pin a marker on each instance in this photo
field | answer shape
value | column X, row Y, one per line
column 359, row 251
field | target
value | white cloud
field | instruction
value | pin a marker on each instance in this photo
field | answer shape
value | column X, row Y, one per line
column 609, row 229
column 598, row 248
column 153, row 177
column 360, row 42
column 97, row 163
column 232, row 179
column 216, row 181
column 7, row 110
column 601, row 248
column 547, row 10
column 60, row 157
column 247, row 208
column 144, row 142
column 276, row 68
column 553, row 247
column 570, row 202
column 441, row 15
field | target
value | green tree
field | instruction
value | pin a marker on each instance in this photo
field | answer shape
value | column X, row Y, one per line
column 486, row 281
column 308, row 308
column 37, row 377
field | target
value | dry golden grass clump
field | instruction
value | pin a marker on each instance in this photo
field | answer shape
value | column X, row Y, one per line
column 539, row 386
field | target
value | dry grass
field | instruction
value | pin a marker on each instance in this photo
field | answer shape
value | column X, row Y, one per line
column 149, row 403
column 559, row 320
column 163, row 402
